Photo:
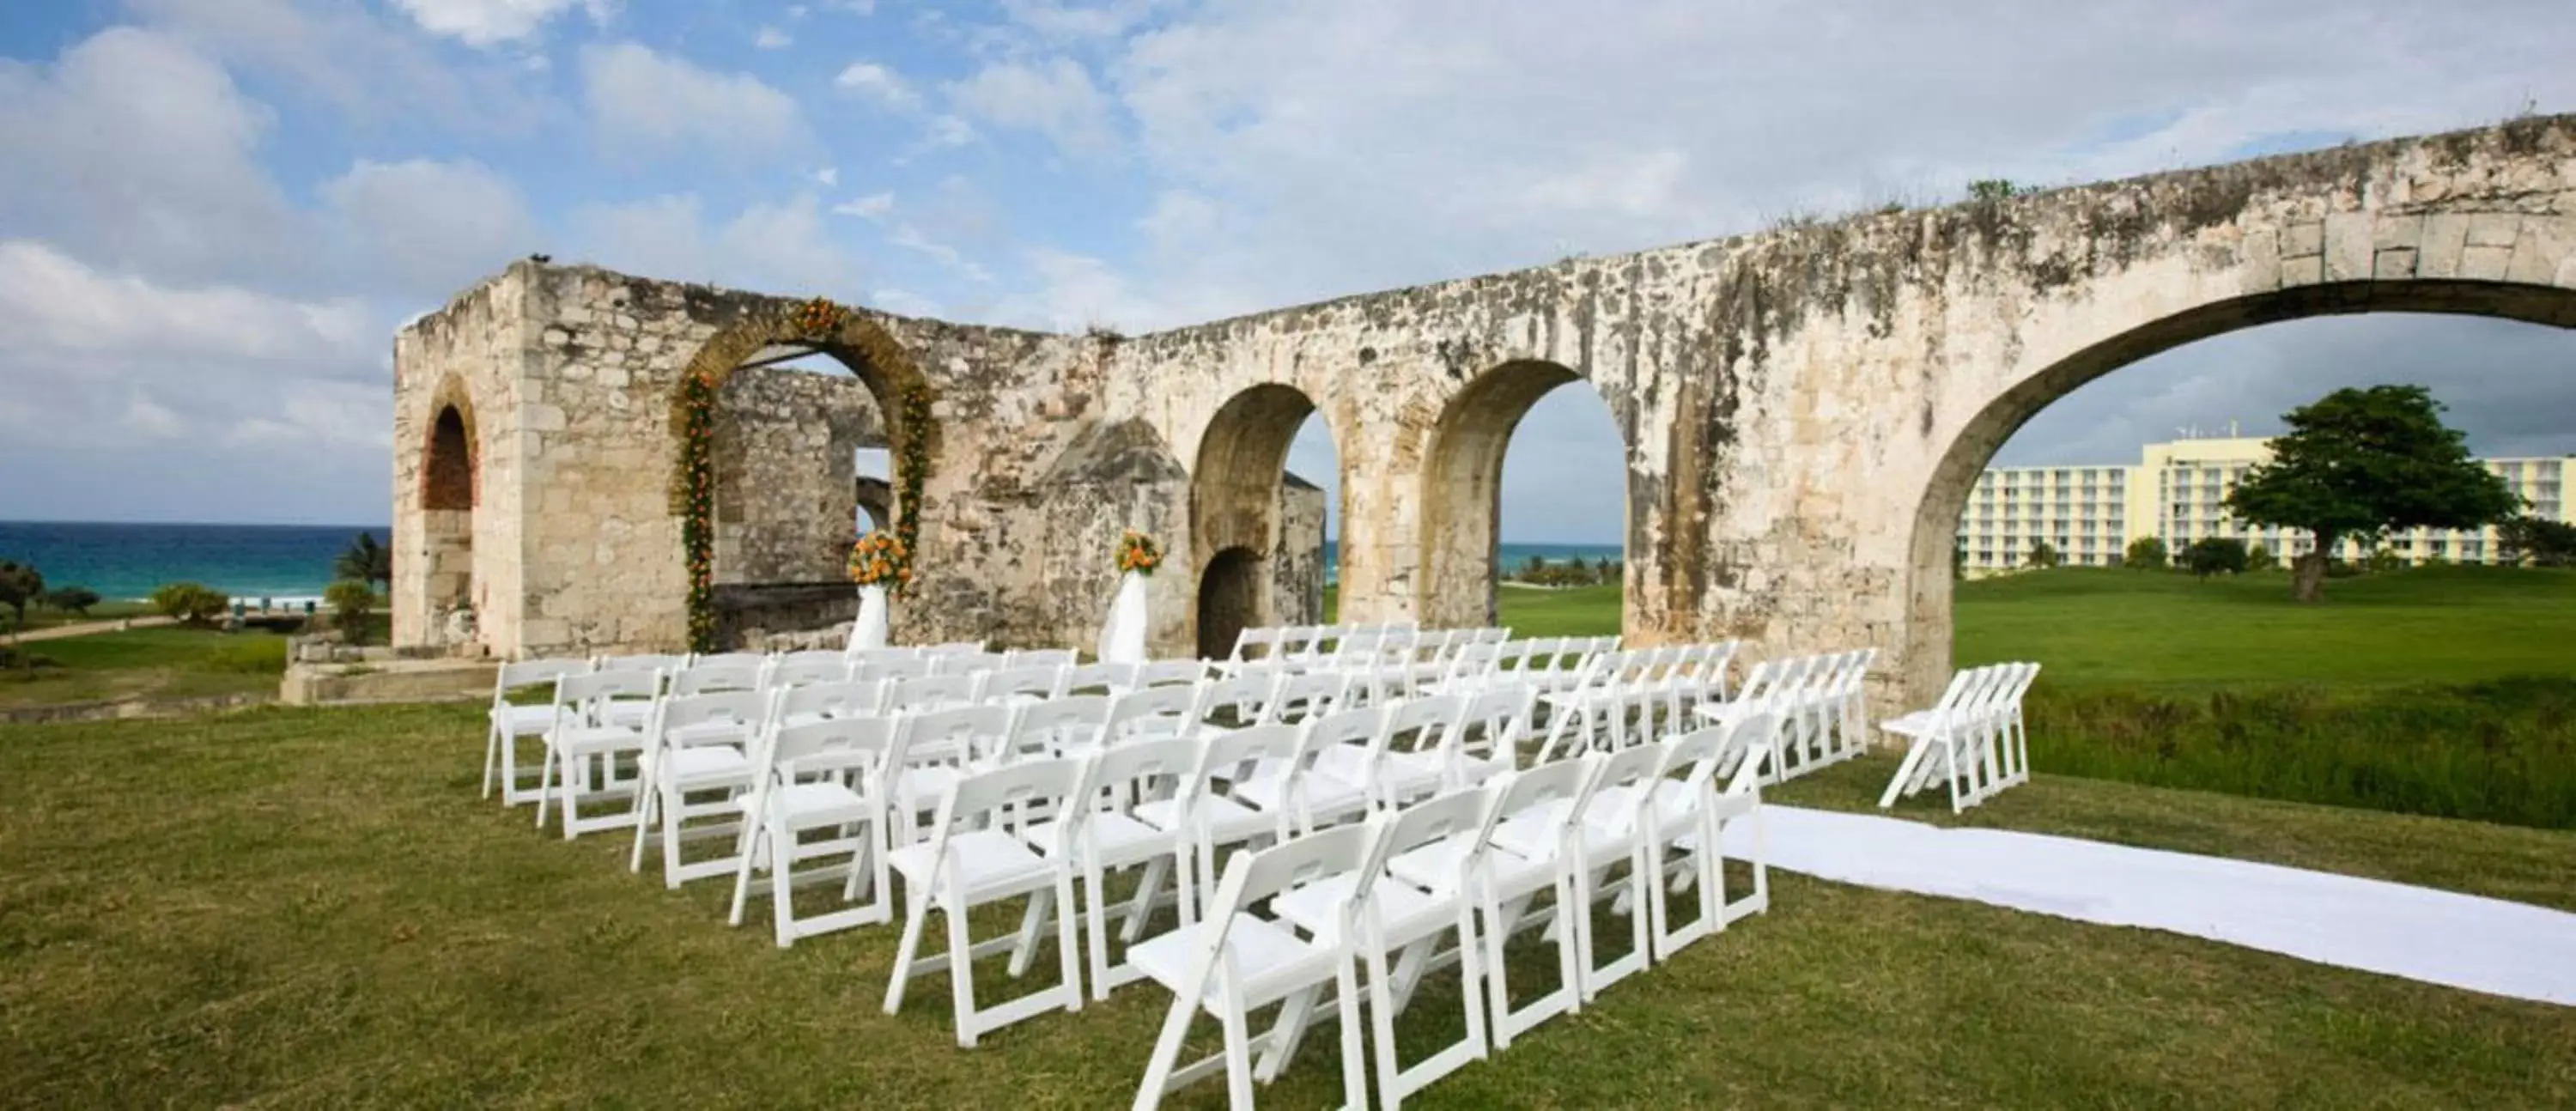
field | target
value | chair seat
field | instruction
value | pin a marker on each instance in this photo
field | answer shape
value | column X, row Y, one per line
column 807, row 805
column 1412, row 771
column 1257, row 950
column 594, row 738
column 1526, row 834
column 704, row 732
column 982, row 864
column 1324, row 794
column 1317, row 907
column 524, row 720
column 1227, row 821
column 708, row 763
column 1111, row 836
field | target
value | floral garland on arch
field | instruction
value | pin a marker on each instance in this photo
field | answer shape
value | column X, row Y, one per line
column 1138, row 553
column 881, row 558
column 820, row 320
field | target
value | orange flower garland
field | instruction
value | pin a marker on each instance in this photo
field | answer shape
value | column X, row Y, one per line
column 1138, row 553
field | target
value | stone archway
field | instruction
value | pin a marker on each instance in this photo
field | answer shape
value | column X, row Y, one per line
column 1462, row 486
column 1235, row 507
column 450, row 489
column 1936, row 521
column 791, row 580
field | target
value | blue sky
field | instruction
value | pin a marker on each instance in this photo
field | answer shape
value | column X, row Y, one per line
column 215, row 212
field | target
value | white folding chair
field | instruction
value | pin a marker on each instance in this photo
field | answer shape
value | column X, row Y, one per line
column 1603, row 836
column 1207, row 819
column 1235, row 701
column 1014, row 686
column 1107, row 836
column 1069, row 725
column 966, row 663
column 509, row 722
column 1100, row 678
column 933, row 752
column 1235, row 962
column 892, row 668
column 1940, row 740
column 699, row 744
column 1151, row 712
column 1400, row 923
column 1304, row 695
column 1677, row 822
column 1162, row 673
column 1266, row 640
column 922, row 694
column 977, row 856
column 822, row 775
column 584, row 747
column 816, row 701
column 1300, row 789
column 1413, row 762
column 1040, row 657
column 753, row 660
column 807, row 668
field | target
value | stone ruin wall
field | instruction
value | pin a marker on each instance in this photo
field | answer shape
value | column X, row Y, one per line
column 1799, row 407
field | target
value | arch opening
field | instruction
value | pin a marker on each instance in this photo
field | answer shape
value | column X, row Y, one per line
column 794, row 425
column 450, row 485
column 1937, row 541
column 1463, row 502
column 1258, row 532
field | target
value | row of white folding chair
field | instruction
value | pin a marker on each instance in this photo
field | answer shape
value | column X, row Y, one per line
column 1385, row 892
column 509, row 722
column 1974, row 739
column 1635, row 696
column 1822, row 703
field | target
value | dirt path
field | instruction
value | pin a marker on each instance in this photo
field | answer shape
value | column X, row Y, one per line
column 87, row 628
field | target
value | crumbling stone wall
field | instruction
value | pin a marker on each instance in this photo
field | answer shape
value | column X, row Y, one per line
column 786, row 496
column 1803, row 410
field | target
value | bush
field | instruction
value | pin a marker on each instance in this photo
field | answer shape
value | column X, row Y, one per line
column 351, row 602
column 194, row 603
column 2214, row 555
column 2260, row 558
column 2146, row 553
column 71, row 599
column 2381, row 561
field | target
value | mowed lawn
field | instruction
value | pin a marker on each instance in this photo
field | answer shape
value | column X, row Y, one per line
column 160, row 662
column 315, row 908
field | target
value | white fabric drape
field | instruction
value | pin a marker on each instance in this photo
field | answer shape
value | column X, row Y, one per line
column 870, row 631
column 1122, row 640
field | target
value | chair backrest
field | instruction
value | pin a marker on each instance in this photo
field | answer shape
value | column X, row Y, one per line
column 1496, row 720
column 865, row 656
column 1305, row 695
column 1240, row 698
column 1103, row 677
column 1065, row 723
column 954, row 648
column 1266, row 639
column 795, row 705
column 966, row 663
column 831, row 667
column 1120, row 777
column 1634, row 768
column 850, row 747
column 641, row 662
column 529, row 673
column 892, row 669
column 1304, row 641
column 1161, row 673
column 1011, row 797
column 1150, row 712
column 587, row 694
column 929, row 692
column 1423, row 724
column 743, row 707
column 1255, row 876
column 1021, row 683
column 1040, row 657
column 958, row 734
column 1437, row 818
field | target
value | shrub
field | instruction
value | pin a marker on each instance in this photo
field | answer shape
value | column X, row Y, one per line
column 2146, row 553
column 2260, row 558
column 2383, row 560
column 194, row 603
column 351, row 602
column 71, row 599
column 2212, row 555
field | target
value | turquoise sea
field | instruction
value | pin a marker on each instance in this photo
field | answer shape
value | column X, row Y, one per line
column 294, row 561
column 123, row 561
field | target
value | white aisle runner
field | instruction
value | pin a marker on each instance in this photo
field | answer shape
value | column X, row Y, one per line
column 2438, row 937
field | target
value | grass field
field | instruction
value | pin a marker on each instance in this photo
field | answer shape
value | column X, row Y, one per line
column 166, row 662
column 313, row 908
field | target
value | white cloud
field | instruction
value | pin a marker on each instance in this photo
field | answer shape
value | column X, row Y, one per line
column 912, row 238
column 369, row 65
column 136, row 149
column 903, row 302
column 876, row 83
column 1055, row 98
column 490, row 22
column 771, row 38
column 1056, row 21
column 147, row 417
column 874, row 206
column 828, row 176
column 65, row 317
column 434, row 227
column 644, row 102
column 779, row 248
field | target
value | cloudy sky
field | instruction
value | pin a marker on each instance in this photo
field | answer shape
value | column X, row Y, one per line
column 213, row 213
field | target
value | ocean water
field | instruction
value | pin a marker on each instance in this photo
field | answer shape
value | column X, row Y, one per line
column 1512, row 555
column 122, row 561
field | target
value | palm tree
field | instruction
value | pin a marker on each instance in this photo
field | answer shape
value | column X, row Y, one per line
column 365, row 561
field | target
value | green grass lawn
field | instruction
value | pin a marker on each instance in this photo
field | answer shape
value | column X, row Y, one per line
column 39, row 617
column 314, row 908
column 165, row 662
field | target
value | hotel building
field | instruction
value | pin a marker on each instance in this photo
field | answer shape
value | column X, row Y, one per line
column 2178, row 493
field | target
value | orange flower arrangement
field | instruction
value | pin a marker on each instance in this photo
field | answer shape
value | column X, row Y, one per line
column 879, row 559
column 817, row 317
column 1137, row 553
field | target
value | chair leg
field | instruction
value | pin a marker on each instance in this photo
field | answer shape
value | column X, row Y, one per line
column 491, row 756
column 916, row 916
column 1067, row 960
column 742, row 880
column 1167, row 1054
column 1354, row 1053
column 782, row 883
column 545, row 785
column 1095, row 914
column 961, row 974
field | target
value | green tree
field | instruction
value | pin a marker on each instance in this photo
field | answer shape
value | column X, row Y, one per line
column 2360, row 462
column 2383, row 560
column 1959, row 558
column 71, row 599
column 2212, row 555
column 1997, row 189
column 2146, row 553
column 2260, row 558
column 2042, row 556
column 194, row 603
column 351, row 601
column 2538, row 541
column 20, row 583
column 365, row 561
